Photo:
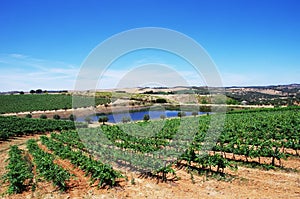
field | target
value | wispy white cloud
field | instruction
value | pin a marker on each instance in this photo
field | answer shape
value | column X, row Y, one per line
column 18, row 56
column 22, row 72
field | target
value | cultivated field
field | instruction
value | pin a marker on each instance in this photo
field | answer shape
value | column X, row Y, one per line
column 255, row 156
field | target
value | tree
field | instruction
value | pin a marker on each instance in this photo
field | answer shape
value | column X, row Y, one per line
column 21, row 92
column 88, row 119
column 125, row 119
column 72, row 117
column 231, row 101
column 39, row 91
column 194, row 113
column 162, row 116
column 43, row 116
column 204, row 101
column 161, row 100
column 103, row 119
column 32, row 91
column 28, row 116
column 181, row 114
column 146, row 117
column 56, row 117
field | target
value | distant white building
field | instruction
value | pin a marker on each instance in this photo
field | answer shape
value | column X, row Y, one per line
column 244, row 102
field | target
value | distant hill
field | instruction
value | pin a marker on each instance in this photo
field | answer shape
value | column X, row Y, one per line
column 274, row 94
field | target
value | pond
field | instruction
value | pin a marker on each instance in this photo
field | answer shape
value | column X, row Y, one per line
column 139, row 115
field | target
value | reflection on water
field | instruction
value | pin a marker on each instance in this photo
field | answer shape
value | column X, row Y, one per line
column 135, row 116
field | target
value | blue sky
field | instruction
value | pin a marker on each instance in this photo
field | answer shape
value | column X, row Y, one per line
column 43, row 43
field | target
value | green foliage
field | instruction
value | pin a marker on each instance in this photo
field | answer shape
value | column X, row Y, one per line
column 72, row 117
column 162, row 116
column 43, row 116
column 204, row 101
column 194, row 113
column 28, row 116
column 251, row 135
column 146, row 117
column 218, row 99
column 103, row 119
column 19, row 173
column 164, row 171
column 271, row 110
column 15, row 126
column 132, row 181
column 43, row 102
column 181, row 114
column 56, row 117
column 39, row 91
column 103, row 173
column 104, row 94
column 126, row 119
column 161, row 100
column 88, row 119
column 231, row 101
column 46, row 167
column 261, row 134
column 70, row 137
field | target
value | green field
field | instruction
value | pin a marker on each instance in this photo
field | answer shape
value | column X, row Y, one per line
column 252, row 135
column 15, row 126
column 248, row 136
column 43, row 102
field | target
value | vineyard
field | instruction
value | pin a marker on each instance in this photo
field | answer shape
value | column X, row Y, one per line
column 19, row 172
column 20, row 168
column 14, row 126
column 46, row 167
column 43, row 102
column 260, row 138
column 246, row 137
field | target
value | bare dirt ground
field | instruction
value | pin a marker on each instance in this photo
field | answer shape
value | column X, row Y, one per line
column 243, row 183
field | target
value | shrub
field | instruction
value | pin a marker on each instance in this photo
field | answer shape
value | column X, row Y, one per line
column 161, row 100
column 126, row 119
column 43, row 116
column 194, row 113
column 72, row 117
column 103, row 119
column 146, row 117
column 88, row 119
column 56, row 117
column 181, row 114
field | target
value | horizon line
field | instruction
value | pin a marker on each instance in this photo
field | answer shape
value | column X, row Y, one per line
column 155, row 87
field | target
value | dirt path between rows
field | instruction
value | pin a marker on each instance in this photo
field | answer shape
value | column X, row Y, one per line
column 243, row 183
column 4, row 145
